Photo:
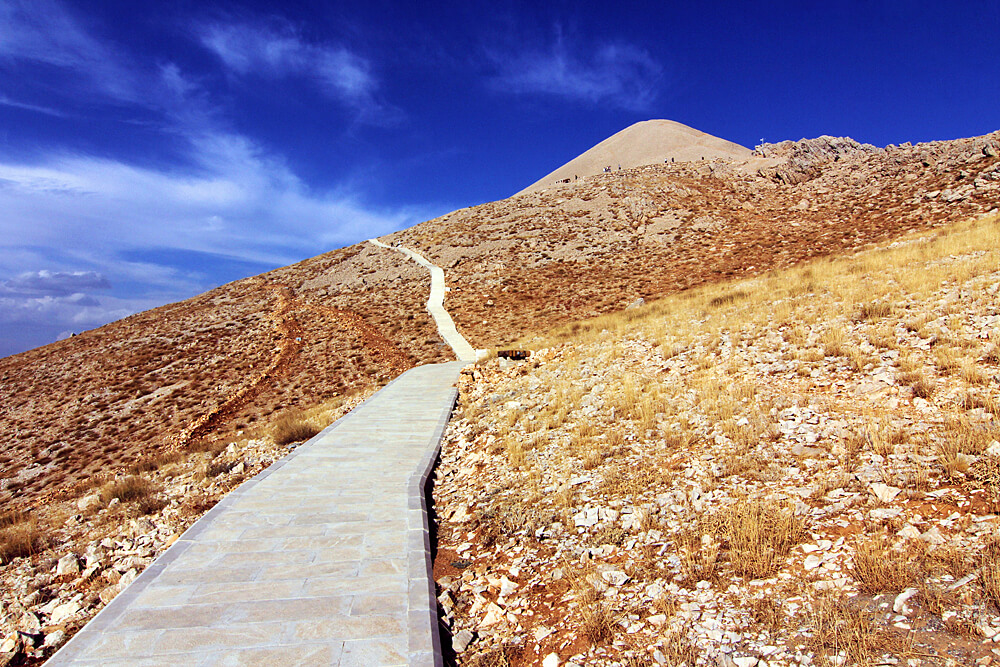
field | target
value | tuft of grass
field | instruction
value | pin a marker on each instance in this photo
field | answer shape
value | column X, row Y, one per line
column 840, row 626
column 213, row 468
column 727, row 298
column 698, row 557
column 835, row 343
column 951, row 457
column 880, row 569
column 875, row 310
column 918, row 383
column 22, row 538
column 989, row 577
column 598, row 622
column 759, row 535
column 971, row 373
column 151, row 505
column 10, row 518
column 292, row 427
column 128, row 489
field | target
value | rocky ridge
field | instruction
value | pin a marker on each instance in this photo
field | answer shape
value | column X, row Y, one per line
column 595, row 245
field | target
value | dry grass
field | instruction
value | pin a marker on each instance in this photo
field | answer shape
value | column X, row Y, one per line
column 22, row 536
column 951, row 458
column 506, row 655
column 990, row 579
column 880, row 569
column 757, row 535
column 598, row 622
column 918, row 383
column 699, row 557
column 128, row 489
column 292, row 427
column 840, row 627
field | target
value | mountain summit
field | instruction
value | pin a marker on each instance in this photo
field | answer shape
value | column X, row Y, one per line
column 646, row 142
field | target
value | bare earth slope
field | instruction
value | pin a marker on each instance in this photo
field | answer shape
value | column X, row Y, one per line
column 644, row 143
column 208, row 368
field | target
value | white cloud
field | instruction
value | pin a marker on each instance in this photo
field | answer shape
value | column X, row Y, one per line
column 54, row 282
column 49, row 111
column 74, row 224
column 78, row 311
column 278, row 51
column 619, row 74
column 243, row 204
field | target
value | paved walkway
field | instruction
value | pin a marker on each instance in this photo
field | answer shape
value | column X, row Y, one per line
column 322, row 559
column 435, row 304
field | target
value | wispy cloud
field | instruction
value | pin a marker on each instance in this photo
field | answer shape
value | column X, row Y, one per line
column 49, row 111
column 85, row 240
column 618, row 74
column 43, row 31
column 77, row 211
column 278, row 51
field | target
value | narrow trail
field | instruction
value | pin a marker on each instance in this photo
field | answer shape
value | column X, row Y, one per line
column 435, row 304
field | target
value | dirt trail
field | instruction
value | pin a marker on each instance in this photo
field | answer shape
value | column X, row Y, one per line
column 290, row 346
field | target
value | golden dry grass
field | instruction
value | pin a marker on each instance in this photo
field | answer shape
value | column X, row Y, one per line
column 841, row 627
column 21, row 535
column 292, row 427
column 128, row 489
column 880, row 569
column 757, row 534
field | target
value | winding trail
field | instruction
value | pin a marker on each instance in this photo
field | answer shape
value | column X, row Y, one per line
column 324, row 558
column 435, row 304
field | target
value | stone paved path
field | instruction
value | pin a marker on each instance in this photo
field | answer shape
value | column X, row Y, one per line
column 435, row 304
column 322, row 559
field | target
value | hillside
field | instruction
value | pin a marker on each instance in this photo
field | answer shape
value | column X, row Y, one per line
column 799, row 468
column 538, row 260
column 181, row 402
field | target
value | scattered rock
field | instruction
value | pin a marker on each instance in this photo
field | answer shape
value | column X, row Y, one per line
column 899, row 604
column 461, row 640
column 54, row 639
column 89, row 502
column 884, row 493
column 64, row 612
column 68, row 564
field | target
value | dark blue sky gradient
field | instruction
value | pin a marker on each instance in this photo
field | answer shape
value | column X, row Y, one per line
column 173, row 146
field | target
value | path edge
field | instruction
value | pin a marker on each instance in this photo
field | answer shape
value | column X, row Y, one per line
column 422, row 614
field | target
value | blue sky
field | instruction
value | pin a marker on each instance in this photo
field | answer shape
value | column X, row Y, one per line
column 150, row 151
